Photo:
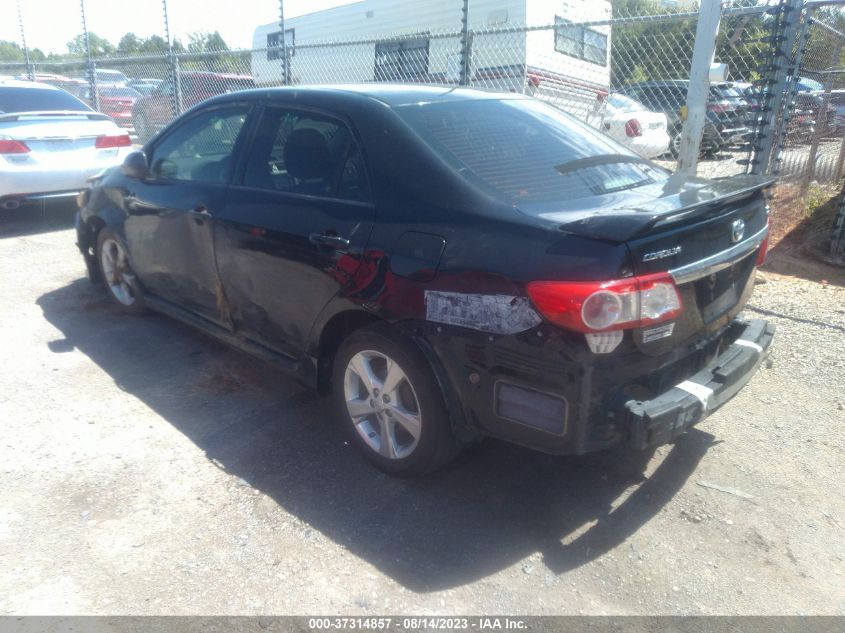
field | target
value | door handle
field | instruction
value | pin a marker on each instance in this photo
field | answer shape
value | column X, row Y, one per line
column 326, row 239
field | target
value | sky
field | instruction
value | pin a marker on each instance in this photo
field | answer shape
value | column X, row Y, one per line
column 50, row 24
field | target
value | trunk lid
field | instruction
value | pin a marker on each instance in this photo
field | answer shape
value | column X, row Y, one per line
column 653, row 209
column 706, row 233
column 57, row 138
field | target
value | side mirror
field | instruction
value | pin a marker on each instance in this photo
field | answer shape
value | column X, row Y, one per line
column 135, row 165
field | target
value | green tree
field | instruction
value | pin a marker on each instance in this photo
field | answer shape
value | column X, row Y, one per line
column 129, row 44
column 212, row 54
column 12, row 52
column 654, row 50
column 100, row 46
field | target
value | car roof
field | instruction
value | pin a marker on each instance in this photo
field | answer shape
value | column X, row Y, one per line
column 392, row 95
column 18, row 83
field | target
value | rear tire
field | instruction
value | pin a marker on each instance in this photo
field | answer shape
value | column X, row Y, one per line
column 390, row 404
column 675, row 143
column 117, row 274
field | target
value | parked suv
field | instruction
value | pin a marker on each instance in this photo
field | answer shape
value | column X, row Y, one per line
column 152, row 112
column 726, row 117
column 446, row 263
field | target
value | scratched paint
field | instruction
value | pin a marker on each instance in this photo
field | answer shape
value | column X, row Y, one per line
column 499, row 314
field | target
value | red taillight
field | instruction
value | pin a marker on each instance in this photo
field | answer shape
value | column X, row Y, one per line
column 764, row 248
column 8, row 146
column 633, row 128
column 597, row 306
column 716, row 108
column 118, row 140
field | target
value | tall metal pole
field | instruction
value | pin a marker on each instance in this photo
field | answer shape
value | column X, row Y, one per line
column 710, row 13
column 92, row 74
column 283, row 42
column 176, row 93
column 465, row 46
column 29, row 72
column 786, row 66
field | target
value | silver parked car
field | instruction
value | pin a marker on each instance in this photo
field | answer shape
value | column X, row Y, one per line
column 51, row 143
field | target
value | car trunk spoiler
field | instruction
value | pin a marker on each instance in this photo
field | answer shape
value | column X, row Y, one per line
column 17, row 116
column 678, row 201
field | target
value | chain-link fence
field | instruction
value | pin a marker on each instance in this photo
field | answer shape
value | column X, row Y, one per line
column 622, row 66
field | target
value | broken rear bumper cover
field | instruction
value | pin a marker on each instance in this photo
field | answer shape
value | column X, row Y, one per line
column 665, row 417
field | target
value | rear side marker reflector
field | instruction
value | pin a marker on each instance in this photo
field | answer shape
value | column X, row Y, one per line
column 118, row 140
column 761, row 254
column 597, row 306
column 604, row 342
column 8, row 146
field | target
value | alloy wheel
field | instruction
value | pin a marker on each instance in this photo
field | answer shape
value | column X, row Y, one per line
column 382, row 404
column 118, row 276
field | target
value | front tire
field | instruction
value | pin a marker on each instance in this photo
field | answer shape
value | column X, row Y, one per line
column 117, row 274
column 390, row 403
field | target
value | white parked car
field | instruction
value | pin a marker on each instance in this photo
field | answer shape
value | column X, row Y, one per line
column 108, row 77
column 51, row 143
column 635, row 126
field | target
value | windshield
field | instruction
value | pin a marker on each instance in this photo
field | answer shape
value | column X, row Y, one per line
column 624, row 104
column 526, row 151
column 38, row 99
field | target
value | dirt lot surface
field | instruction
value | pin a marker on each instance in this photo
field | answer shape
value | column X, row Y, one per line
column 147, row 469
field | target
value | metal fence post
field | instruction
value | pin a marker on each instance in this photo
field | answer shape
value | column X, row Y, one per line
column 92, row 70
column 778, row 102
column 29, row 72
column 175, row 100
column 706, row 30
column 465, row 44
column 283, row 42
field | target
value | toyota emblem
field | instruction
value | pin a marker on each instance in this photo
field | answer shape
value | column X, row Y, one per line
column 737, row 230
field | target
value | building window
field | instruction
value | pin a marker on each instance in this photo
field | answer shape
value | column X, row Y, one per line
column 274, row 44
column 399, row 60
column 581, row 42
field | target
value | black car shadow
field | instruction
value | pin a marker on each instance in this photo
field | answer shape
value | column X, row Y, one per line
column 495, row 505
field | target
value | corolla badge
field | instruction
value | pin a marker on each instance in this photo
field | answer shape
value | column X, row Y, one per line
column 737, row 230
column 666, row 252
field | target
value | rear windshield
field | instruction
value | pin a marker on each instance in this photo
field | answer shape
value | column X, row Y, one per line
column 624, row 104
column 728, row 93
column 526, row 151
column 38, row 99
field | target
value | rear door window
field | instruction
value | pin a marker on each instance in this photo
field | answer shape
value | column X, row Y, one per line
column 306, row 153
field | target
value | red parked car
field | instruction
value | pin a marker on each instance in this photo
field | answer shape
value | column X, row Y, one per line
column 117, row 102
column 152, row 112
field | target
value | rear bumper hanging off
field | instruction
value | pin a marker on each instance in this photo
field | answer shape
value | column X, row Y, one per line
column 661, row 419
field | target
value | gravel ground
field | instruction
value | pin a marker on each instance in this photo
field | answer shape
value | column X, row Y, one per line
column 149, row 470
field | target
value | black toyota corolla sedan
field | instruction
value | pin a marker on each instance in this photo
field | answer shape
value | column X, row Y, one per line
column 447, row 264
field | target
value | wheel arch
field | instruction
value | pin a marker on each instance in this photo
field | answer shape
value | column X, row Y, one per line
column 345, row 322
column 339, row 326
column 88, row 230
